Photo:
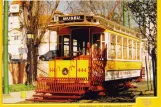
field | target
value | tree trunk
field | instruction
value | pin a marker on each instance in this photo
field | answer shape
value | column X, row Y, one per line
column 35, row 63
column 32, row 61
column 154, row 65
column 30, row 67
column 154, row 76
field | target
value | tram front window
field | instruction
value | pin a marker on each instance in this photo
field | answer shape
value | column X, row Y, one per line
column 72, row 46
column 96, row 41
column 64, row 46
column 79, row 42
column 79, row 46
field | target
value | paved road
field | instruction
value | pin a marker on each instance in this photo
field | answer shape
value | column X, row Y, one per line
column 15, row 97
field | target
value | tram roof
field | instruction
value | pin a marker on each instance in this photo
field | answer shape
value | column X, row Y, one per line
column 87, row 20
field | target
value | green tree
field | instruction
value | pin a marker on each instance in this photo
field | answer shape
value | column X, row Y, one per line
column 145, row 14
column 33, row 12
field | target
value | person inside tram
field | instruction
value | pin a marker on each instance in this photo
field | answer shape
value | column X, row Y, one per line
column 88, row 48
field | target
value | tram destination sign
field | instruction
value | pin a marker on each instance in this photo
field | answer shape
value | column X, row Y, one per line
column 74, row 18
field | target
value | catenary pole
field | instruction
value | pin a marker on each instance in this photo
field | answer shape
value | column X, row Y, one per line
column 124, row 13
column 5, row 49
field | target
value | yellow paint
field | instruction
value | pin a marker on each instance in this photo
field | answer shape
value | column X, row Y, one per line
column 140, row 101
column 122, row 65
column 23, row 94
column 82, row 66
column 123, row 35
column 51, row 66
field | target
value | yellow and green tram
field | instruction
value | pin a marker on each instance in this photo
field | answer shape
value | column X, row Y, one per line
column 92, row 52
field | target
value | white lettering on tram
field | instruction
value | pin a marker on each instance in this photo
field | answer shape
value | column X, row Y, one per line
column 68, row 18
column 114, row 75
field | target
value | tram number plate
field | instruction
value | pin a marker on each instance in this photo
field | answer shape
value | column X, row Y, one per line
column 114, row 75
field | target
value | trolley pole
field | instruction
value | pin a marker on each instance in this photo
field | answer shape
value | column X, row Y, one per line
column 5, row 48
column 124, row 13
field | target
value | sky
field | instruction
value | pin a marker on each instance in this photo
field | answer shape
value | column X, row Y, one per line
column 63, row 6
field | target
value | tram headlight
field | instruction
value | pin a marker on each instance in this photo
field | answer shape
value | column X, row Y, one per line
column 65, row 71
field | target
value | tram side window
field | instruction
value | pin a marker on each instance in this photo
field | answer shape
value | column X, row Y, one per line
column 74, row 47
column 124, row 48
column 138, row 51
column 81, row 46
column 112, row 54
column 96, row 41
column 103, row 41
column 134, row 50
column 119, row 47
column 66, row 45
column 130, row 49
column 84, row 48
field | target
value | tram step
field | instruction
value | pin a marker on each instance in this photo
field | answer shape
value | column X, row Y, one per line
column 61, row 92
column 42, row 100
column 57, row 96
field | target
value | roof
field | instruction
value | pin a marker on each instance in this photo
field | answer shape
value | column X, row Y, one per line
column 58, row 12
column 16, row 2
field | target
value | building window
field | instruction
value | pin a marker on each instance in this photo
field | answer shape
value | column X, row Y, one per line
column 15, row 37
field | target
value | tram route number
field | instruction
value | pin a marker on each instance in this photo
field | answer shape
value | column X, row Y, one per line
column 81, row 69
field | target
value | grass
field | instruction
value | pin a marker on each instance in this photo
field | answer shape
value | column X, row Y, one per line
column 20, row 87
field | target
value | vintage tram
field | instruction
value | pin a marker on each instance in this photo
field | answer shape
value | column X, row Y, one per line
column 92, row 54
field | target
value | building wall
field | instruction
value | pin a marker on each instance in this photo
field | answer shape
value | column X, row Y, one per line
column 17, row 48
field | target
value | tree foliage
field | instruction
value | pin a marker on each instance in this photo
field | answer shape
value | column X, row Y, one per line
column 37, row 17
column 145, row 14
column 104, row 8
column 33, row 13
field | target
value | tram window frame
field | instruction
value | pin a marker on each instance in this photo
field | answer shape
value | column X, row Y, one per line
column 103, row 45
column 125, row 48
column 119, row 47
column 66, row 44
column 84, row 48
column 96, row 42
column 130, row 49
column 134, row 50
column 138, row 51
column 112, row 46
column 75, row 46
column 79, row 46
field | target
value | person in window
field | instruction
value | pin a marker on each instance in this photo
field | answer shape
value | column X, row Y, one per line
column 88, row 49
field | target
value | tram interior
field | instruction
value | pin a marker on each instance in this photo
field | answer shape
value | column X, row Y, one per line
column 78, row 43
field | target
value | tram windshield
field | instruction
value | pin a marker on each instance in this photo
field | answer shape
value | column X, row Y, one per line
column 80, row 41
column 73, row 45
